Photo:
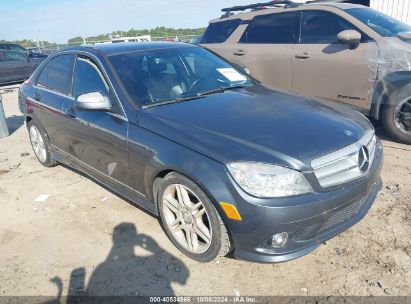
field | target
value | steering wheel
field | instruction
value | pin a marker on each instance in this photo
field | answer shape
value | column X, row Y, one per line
column 195, row 83
column 199, row 80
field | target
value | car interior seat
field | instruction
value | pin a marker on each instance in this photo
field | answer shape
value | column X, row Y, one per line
column 162, row 85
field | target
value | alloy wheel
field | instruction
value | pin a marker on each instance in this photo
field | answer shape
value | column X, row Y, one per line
column 187, row 218
column 402, row 116
column 37, row 143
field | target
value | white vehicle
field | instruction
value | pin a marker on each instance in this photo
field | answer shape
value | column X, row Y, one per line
column 144, row 38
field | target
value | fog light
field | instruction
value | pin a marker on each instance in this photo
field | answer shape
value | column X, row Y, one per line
column 279, row 239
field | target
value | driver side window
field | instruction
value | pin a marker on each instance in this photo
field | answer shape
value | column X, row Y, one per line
column 88, row 78
column 322, row 27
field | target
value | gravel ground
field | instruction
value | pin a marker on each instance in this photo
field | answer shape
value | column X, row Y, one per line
column 83, row 237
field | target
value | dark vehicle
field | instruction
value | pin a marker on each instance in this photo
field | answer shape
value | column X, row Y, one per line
column 12, row 47
column 16, row 66
column 31, row 52
column 226, row 164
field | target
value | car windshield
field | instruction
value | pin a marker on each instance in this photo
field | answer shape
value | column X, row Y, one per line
column 175, row 74
column 384, row 25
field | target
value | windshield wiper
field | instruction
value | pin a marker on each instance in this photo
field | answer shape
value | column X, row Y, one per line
column 221, row 90
column 173, row 100
column 198, row 95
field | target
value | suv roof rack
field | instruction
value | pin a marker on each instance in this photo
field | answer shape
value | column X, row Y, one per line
column 276, row 3
column 228, row 10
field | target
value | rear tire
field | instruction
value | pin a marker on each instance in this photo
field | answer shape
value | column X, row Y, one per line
column 190, row 220
column 40, row 145
column 396, row 118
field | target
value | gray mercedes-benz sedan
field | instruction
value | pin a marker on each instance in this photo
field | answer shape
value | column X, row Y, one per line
column 225, row 162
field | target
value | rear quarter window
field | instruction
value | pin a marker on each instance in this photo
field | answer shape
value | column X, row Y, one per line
column 219, row 32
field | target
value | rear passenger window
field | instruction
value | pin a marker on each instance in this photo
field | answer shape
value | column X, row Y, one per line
column 322, row 27
column 57, row 74
column 218, row 32
column 280, row 28
column 88, row 78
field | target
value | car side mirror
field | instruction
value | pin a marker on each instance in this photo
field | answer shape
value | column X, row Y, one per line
column 350, row 37
column 406, row 36
column 93, row 101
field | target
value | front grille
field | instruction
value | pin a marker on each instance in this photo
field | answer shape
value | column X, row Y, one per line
column 343, row 215
column 344, row 165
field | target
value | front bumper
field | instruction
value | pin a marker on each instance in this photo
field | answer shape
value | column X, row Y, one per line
column 309, row 219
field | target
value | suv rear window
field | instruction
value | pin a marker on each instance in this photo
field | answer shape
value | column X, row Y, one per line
column 280, row 28
column 218, row 32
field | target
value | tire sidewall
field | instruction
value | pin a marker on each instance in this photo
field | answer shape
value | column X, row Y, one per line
column 212, row 252
column 49, row 160
column 388, row 115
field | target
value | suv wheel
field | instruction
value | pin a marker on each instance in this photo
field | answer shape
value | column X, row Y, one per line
column 396, row 118
column 190, row 220
column 40, row 145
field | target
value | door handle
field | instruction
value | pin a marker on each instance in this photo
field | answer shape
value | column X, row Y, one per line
column 37, row 96
column 69, row 111
column 303, row 55
column 239, row 53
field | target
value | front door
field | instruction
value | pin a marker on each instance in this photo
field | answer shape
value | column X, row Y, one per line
column 97, row 139
column 325, row 68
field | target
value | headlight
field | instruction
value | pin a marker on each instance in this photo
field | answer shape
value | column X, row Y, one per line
column 264, row 180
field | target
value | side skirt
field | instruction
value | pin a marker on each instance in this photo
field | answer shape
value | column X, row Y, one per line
column 125, row 192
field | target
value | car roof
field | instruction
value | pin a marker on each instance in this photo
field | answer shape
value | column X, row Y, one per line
column 125, row 47
column 246, row 15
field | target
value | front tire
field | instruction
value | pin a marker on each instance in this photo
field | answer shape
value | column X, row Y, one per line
column 190, row 220
column 396, row 118
column 40, row 145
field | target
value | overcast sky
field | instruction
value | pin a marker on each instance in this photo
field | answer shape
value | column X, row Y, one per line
column 60, row 20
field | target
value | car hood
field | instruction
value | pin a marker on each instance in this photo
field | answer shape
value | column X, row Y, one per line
column 257, row 124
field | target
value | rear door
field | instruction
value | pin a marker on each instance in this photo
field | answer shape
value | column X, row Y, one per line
column 326, row 68
column 266, row 47
column 51, row 92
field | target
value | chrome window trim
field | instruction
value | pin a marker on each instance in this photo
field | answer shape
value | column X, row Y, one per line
column 53, row 91
column 104, row 72
column 91, row 56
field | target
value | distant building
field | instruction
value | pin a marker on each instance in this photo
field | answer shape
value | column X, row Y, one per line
column 399, row 9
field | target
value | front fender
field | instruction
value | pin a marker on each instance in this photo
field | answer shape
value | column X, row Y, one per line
column 151, row 155
column 390, row 90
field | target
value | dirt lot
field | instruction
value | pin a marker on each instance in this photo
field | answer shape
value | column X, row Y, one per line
column 84, row 237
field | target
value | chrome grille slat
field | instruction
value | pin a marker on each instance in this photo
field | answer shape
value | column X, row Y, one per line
column 342, row 166
column 336, row 161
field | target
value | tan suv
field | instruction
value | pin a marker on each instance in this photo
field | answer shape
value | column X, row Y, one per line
column 337, row 51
